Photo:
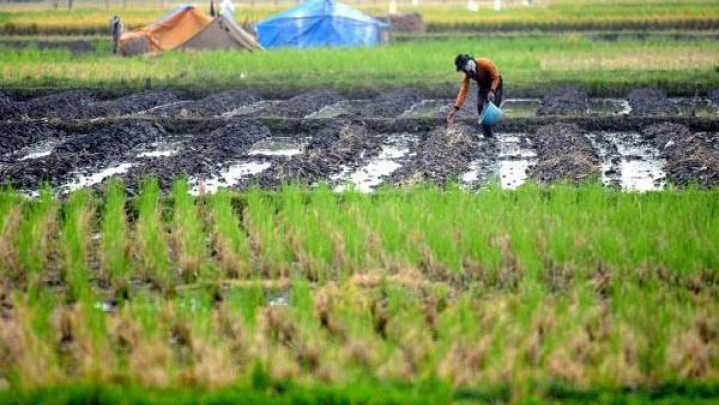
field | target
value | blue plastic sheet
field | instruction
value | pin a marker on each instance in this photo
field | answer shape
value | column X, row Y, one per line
column 320, row 23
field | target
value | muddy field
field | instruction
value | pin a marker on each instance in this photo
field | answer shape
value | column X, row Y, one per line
column 239, row 138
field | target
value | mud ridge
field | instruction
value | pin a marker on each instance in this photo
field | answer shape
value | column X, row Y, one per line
column 129, row 104
column 340, row 143
column 17, row 135
column 204, row 155
column 564, row 154
column 443, row 155
column 689, row 158
column 208, row 107
column 305, row 103
column 80, row 152
column 651, row 102
column 65, row 105
column 387, row 105
column 564, row 101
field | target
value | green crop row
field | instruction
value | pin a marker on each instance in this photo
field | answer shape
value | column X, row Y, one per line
column 420, row 295
column 88, row 19
column 528, row 65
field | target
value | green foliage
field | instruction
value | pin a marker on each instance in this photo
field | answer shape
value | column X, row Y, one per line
column 528, row 64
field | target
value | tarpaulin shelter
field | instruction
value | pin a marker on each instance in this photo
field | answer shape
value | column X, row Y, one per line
column 186, row 27
column 221, row 33
column 320, row 23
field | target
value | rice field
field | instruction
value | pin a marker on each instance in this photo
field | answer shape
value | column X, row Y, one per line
column 419, row 295
column 450, row 15
column 528, row 65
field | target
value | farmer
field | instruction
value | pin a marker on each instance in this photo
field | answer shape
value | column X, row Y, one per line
column 115, row 32
column 489, row 83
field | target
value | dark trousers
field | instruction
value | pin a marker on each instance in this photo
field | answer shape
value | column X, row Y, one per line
column 482, row 97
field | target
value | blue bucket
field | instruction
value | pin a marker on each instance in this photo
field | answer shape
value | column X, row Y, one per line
column 491, row 115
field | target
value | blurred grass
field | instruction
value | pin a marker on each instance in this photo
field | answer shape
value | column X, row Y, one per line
column 92, row 18
column 531, row 64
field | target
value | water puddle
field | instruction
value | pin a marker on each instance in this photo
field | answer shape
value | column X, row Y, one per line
column 605, row 107
column 520, row 107
column 628, row 161
column 160, row 149
column 702, row 107
column 164, row 107
column 331, row 111
column 278, row 146
column 228, row 177
column 85, row 180
column 250, row 109
column 516, row 156
column 392, row 156
column 428, row 109
column 38, row 151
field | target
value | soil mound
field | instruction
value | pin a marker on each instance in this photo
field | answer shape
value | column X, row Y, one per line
column 713, row 96
column 209, row 106
column 203, row 155
column 66, row 105
column 651, row 102
column 9, row 110
column 564, row 154
column 129, row 104
column 443, row 155
column 689, row 158
column 305, row 104
column 339, row 144
column 16, row 135
column 564, row 101
column 81, row 152
column 388, row 105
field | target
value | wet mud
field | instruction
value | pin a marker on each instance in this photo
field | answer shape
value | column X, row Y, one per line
column 14, row 136
column 208, row 107
column 304, row 104
column 443, row 155
column 340, row 144
column 79, row 138
column 79, row 152
column 690, row 159
column 200, row 156
column 564, row 153
column 66, row 105
column 651, row 102
column 564, row 101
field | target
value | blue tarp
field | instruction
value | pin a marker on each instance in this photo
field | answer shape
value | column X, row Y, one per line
column 319, row 23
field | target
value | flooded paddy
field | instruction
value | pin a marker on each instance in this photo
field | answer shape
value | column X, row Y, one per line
column 236, row 138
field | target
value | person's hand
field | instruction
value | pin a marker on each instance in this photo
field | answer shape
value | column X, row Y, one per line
column 451, row 116
column 490, row 96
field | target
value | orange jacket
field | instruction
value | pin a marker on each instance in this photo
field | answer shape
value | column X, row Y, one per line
column 487, row 76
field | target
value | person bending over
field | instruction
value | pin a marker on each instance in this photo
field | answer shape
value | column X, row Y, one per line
column 489, row 83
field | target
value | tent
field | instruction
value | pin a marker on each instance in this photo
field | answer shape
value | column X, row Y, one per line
column 221, row 33
column 186, row 27
column 320, row 23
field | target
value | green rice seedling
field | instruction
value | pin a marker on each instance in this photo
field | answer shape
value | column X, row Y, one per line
column 151, row 239
column 77, row 215
column 229, row 238
column 115, row 245
column 266, row 237
column 10, row 218
column 36, row 239
column 188, row 236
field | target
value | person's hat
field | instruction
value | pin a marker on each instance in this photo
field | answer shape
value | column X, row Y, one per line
column 461, row 60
